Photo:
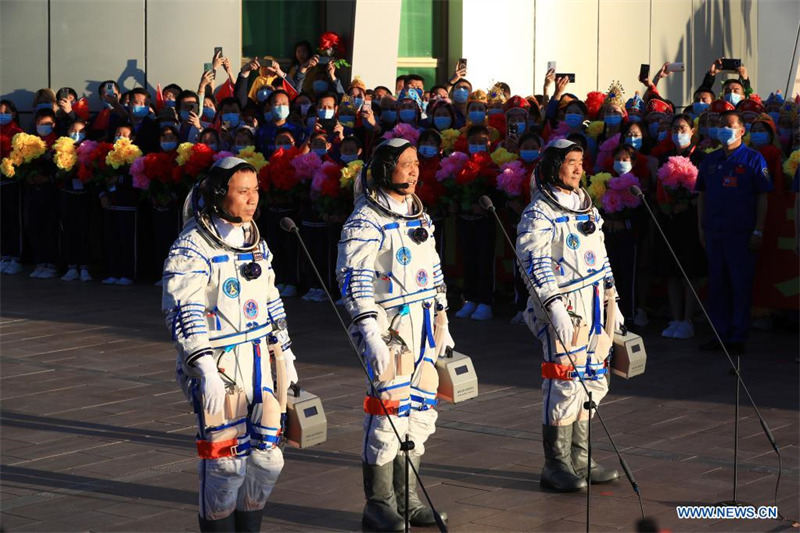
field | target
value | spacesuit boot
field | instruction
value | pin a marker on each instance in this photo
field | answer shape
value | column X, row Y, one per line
column 379, row 512
column 248, row 521
column 557, row 473
column 580, row 454
column 212, row 526
column 419, row 514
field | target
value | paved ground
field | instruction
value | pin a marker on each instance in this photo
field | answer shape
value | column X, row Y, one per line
column 96, row 435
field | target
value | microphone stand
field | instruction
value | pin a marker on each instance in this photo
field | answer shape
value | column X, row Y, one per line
column 636, row 191
column 406, row 445
column 486, row 203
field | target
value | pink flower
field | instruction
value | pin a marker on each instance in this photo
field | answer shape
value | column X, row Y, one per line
column 678, row 171
column 611, row 201
column 306, row 165
column 403, row 131
column 511, row 178
column 222, row 155
column 85, row 150
column 451, row 165
column 140, row 179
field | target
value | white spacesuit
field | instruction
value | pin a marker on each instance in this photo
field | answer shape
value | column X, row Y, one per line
column 392, row 284
column 224, row 312
column 560, row 242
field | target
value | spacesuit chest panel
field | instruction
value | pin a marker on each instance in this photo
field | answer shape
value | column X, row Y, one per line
column 576, row 255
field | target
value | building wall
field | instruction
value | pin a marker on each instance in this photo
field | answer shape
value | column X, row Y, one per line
column 131, row 41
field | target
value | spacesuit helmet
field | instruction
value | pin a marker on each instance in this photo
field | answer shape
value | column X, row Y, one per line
column 550, row 165
column 383, row 162
column 214, row 187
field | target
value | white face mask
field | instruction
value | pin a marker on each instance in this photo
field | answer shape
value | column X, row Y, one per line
column 622, row 167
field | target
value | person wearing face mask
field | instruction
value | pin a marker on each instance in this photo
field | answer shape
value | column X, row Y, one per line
column 67, row 105
column 210, row 137
column 108, row 92
column 442, row 115
column 733, row 90
column 712, row 141
column 475, row 231
column 701, row 101
column 349, row 117
column 230, row 118
column 477, row 107
column 612, row 113
column 75, row 208
column 141, row 118
column 188, row 109
column 656, row 111
column 516, row 119
column 749, row 109
column 269, row 78
column 566, row 257
column 245, row 136
column 459, row 95
column 409, row 107
column 10, row 195
column 268, row 131
column 635, row 108
column 731, row 210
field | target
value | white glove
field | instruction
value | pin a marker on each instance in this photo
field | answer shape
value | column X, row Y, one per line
column 375, row 350
column 619, row 318
column 562, row 322
column 446, row 341
column 291, row 371
column 212, row 386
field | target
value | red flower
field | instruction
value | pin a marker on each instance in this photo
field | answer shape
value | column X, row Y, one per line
column 200, row 160
column 498, row 122
column 263, row 178
column 480, row 165
column 99, row 154
column 461, row 144
column 330, row 40
column 326, row 180
column 429, row 189
column 281, row 174
column 159, row 166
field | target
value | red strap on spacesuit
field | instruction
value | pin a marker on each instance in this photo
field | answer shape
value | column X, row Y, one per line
column 556, row 371
column 214, row 450
column 372, row 406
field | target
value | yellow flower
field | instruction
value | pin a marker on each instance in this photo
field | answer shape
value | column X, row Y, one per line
column 249, row 154
column 123, row 153
column 64, row 153
column 595, row 128
column 791, row 164
column 184, row 153
column 7, row 168
column 27, row 147
column 502, row 156
column 349, row 173
column 597, row 188
column 449, row 137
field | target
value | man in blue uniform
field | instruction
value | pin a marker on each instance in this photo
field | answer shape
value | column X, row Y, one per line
column 732, row 205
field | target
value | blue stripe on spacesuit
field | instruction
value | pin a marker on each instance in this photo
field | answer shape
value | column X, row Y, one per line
column 220, row 259
column 257, row 371
column 597, row 325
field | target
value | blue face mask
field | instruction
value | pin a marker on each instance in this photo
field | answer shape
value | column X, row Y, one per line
column 759, row 138
column 522, row 127
column 208, row 113
column 460, row 95
column 140, row 111
column 475, row 148
column 389, row 116
column 612, row 120
column 77, row 136
column 774, row 115
column 662, row 135
column 529, row 156
column 477, row 117
column 428, row 150
column 573, row 120
column 727, row 136
column 408, row 115
column 699, row 107
column 213, row 146
column 713, row 132
column 347, row 119
column 358, row 102
column 320, row 86
column 622, row 167
column 44, row 129
column 442, row 122
column 262, row 95
column 346, row 158
column 230, row 119
column 238, row 148
column 636, row 142
column 681, row 140
column 634, row 118
column 733, row 98
column 168, row 146
column 652, row 129
column 169, row 103
column 280, row 112
column 325, row 114
column 184, row 115
column 284, row 147
column 321, row 152
column 5, row 118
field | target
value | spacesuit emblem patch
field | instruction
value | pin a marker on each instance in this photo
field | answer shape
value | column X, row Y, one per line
column 422, row 277
column 250, row 308
column 231, row 287
column 573, row 242
column 403, row 256
column 589, row 258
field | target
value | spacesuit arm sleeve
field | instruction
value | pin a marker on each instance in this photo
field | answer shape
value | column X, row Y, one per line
column 608, row 277
column 438, row 274
column 535, row 235
column 275, row 310
column 186, row 274
column 355, row 268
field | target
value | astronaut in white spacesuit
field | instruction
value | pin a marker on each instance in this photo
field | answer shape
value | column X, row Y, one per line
column 560, row 242
column 227, row 318
column 392, row 284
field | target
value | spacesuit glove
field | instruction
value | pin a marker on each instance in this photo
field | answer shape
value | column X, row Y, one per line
column 562, row 322
column 375, row 350
column 212, row 387
column 619, row 318
column 446, row 341
column 291, row 371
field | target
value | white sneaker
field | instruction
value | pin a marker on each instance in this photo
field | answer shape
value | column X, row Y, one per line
column 518, row 319
column 111, row 280
column 12, row 267
column 71, row 275
column 641, row 319
column 683, row 330
column 669, row 332
column 288, row 291
column 37, row 271
column 124, row 281
column 85, row 276
column 483, row 312
column 467, row 310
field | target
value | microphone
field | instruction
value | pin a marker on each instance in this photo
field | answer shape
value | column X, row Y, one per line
column 486, row 203
column 288, row 225
column 636, row 191
column 399, row 186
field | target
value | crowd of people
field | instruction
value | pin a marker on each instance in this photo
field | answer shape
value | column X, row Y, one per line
column 83, row 189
